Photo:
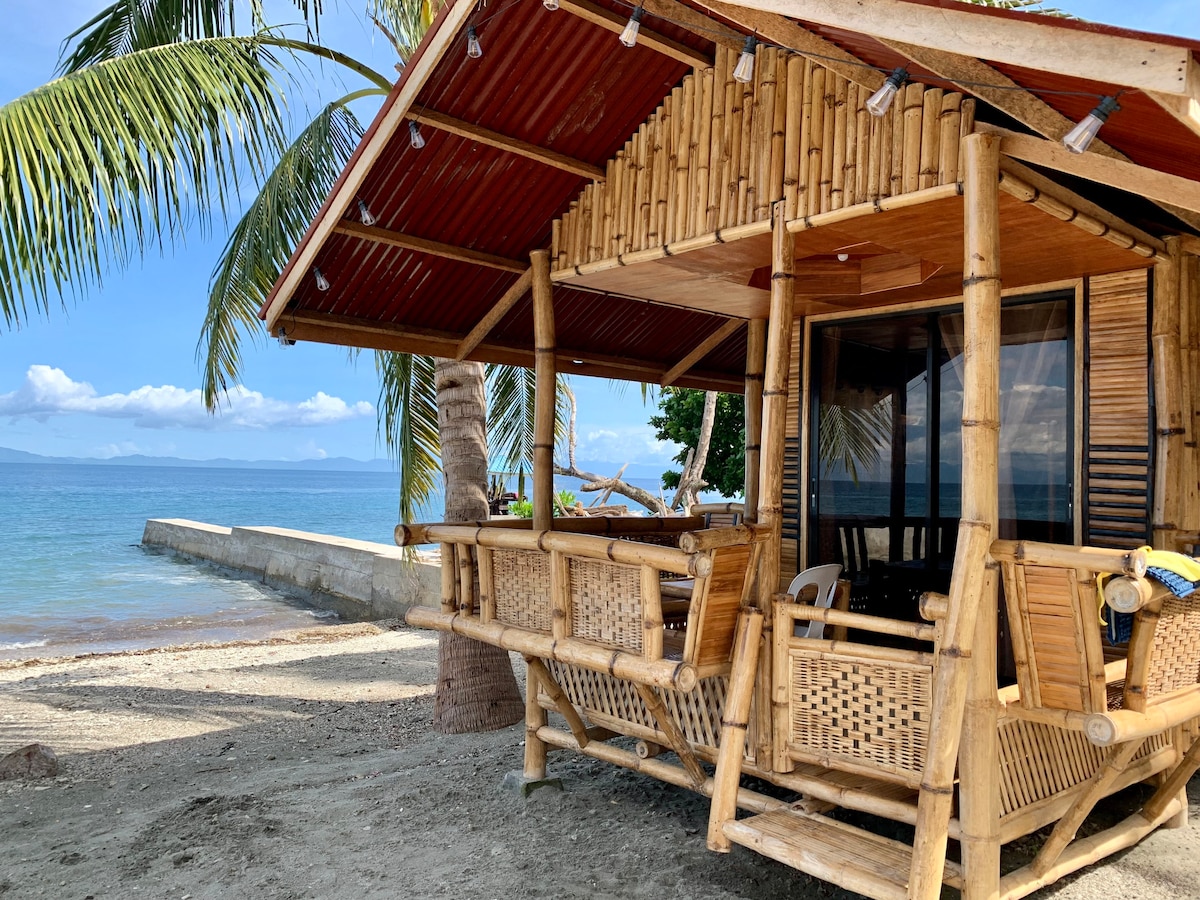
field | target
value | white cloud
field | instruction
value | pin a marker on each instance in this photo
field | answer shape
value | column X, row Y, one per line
column 632, row 444
column 48, row 392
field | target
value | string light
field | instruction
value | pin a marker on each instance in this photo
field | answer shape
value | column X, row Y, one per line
column 882, row 98
column 1079, row 138
column 630, row 34
column 284, row 340
column 321, row 280
column 551, row 5
column 744, row 70
column 474, row 48
column 414, row 136
column 364, row 214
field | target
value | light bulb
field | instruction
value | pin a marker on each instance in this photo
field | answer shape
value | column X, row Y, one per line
column 843, row 257
column 882, row 98
column 322, row 281
column 744, row 70
column 551, row 5
column 629, row 35
column 415, row 137
column 364, row 214
column 1079, row 138
column 474, row 48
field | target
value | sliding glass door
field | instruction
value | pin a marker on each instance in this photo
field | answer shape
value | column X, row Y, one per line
column 886, row 460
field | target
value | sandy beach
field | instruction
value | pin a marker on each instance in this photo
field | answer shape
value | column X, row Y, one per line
column 304, row 767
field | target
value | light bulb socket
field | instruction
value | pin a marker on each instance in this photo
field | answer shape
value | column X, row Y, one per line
column 415, row 138
column 474, row 48
column 1105, row 108
column 744, row 70
column 881, row 100
column 630, row 34
column 364, row 214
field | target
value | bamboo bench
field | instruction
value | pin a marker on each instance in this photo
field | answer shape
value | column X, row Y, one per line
column 1093, row 728
column 586, row 612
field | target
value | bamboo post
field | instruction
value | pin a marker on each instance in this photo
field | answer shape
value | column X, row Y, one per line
column 702, row 131
column 756, row 350
column 487, row 586
column 543, row 426
column 828, row 140
column 837, row 189
column 914, row 105
column 684, row 158
column 959, row 672
column 816, row 134
column 930, row 139
column 449, row 572
column 734, row 722
column 535, row 718
column 559, row 698
column 778, row 137
column 867, row 149
column 1168, row 399
column 951, row 117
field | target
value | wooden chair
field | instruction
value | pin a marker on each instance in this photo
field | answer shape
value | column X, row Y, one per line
column 1129, row 707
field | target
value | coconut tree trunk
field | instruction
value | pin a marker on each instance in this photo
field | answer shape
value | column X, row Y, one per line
column 476, row 689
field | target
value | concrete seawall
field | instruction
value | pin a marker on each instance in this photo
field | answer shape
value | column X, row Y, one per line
column 359, row 580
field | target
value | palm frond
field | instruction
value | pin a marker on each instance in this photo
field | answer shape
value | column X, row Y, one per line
column 98, row 164
column 853, row 436
column 404, row 22
column 408, row 422
column 263, row 240
column 512, row 393
column 127, row 26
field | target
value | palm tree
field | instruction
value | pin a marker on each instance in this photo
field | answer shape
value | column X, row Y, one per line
column 157, row 105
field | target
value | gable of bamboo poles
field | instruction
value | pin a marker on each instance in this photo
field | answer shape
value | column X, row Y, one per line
column 717, row 153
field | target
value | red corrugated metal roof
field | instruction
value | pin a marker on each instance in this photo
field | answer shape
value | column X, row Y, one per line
column 557, row 81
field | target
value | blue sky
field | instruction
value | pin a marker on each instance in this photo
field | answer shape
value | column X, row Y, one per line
column 114, row 371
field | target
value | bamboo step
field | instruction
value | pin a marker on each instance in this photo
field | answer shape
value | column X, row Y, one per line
column 833, row 851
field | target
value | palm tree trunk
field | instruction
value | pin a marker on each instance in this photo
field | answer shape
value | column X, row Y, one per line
column 476, row 689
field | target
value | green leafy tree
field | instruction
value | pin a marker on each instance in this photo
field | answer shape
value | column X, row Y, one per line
column 681, row 410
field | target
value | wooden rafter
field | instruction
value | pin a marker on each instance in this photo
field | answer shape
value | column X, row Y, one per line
column 1184, row 107
column 647, row 37
column 494, row 315
column 772, row 27
column 695, row 22
column 424, row 245
column 973, row 76
column 1125, row 176
column 701, row 350
column 1029, row 41
column 491, row 138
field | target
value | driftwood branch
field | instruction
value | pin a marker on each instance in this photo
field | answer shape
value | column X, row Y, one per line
column 691, row 479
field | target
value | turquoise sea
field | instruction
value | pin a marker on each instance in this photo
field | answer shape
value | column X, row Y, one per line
column 74, row 578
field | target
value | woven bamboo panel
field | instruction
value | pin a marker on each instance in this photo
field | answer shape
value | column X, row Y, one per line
column 522, row 588
column 1038, row 761
column 606, row 604
column 612, row 701
column 1175, row 657
column 849, row 712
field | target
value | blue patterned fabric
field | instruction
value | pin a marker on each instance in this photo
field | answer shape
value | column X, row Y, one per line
column 1120, row 627
column 1176, row 583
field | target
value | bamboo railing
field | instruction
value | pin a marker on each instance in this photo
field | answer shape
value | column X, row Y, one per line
column 717, row 153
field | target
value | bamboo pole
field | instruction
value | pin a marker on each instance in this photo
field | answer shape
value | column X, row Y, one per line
column 837, row 188
column 862, row 165
column 931, row 142
column 914, row 105
column 1097, row 559
column 685, row 159
column 557, row 256
column 948, row 130
column 972, row 587
column 665, row 673
column 756, row 350
column 535, row 719
column 781, row 709
column 1168, row 399
column 816, row 135
column 850, row 169
column 487, row 586
column 1174, row 783
column 1109, row 728
column 543, row 427
column 875, row 169
column 733, row 126
column 561, row 703
column 675, row 739
column 449, row 575
column 793, row 160
column 734, row 722
column 896, row 159
column 829, row 139
column 779, row 118
column 705, row 112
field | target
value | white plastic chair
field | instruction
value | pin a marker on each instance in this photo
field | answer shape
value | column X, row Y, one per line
column 825, row 578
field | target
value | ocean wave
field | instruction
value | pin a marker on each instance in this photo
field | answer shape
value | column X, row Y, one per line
column 22, row 645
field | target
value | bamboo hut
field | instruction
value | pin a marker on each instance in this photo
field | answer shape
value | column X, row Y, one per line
column 1006, row 331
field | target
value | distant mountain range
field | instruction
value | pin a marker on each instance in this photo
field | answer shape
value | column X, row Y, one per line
column 331, row 464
